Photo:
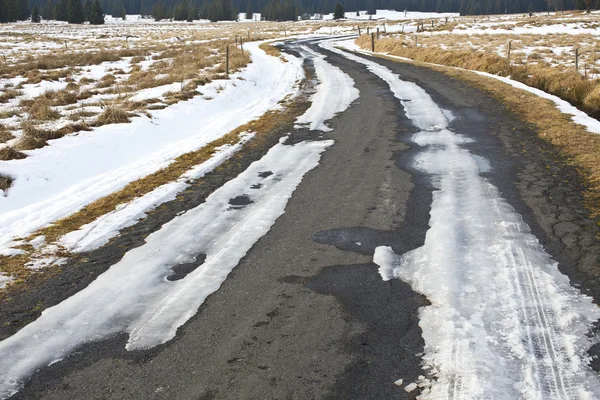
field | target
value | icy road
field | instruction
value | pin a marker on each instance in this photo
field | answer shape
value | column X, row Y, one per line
column 407, row 238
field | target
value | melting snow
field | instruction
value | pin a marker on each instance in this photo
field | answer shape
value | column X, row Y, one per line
column 503, row 321
column 135, row 296
column 335, row 93
column 72, row 172
column 100, row 231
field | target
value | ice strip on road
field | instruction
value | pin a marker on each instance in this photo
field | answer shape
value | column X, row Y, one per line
column 503, row 322
column 99, row 232
column 75, row 170
column 335, row 92
column 135, row 296
column 579, row 117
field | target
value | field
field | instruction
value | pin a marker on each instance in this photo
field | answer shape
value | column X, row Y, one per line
column 96, row 123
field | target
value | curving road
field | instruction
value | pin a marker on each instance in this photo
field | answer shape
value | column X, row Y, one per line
column 306, row 313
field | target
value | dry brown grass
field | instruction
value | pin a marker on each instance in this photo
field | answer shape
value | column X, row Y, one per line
column 5, row 134
column 112, row 115
column 580, row 147
column 40, row 109
column 568, row 85
column 5, row 182
column 260, row 126
column 8, row 153
column 9, row 94
column 32, row 64
column 34, row 137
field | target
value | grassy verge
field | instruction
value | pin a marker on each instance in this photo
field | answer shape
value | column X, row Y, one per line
column 262, row 127
column 580, row 147
column 568, row 85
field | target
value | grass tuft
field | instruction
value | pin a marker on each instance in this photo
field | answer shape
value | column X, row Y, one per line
column 112, row 115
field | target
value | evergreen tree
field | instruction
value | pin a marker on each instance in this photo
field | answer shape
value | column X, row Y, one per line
column 194, row 12
column 60, row 10
column 96, row 16
column 339, row 11
column 249, row 12
column 159, row 11
column 87, row 9
column 23, row 11
column 35, row 14
column 117, row 8
column 371, row 7
column 75, row 12
column 181, row 11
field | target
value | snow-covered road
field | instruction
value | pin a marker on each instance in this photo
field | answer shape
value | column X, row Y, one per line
column 504, row 323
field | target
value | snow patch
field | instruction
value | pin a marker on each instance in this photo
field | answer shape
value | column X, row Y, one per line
column 135, row 296
column 76, row 170
column 335, row 93
column 99, row 232
column 503, row 321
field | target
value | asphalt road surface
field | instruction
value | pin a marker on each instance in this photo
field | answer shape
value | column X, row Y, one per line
column 305, row 315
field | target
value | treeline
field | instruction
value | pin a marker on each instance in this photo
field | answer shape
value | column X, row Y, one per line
column 219, row 10
column 72, row 11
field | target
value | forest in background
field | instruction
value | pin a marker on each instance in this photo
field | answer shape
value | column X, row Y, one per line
column 218, row 10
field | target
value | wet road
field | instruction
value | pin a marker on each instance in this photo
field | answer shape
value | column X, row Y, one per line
column 305, row 314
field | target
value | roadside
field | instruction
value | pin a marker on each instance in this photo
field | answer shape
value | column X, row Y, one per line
column 305, row 314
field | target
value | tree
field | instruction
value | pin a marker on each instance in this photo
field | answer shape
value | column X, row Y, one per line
column 371, row 7
column 22, row 10
column 339, row 11
column 35, row 14
column 588, row 5
column 117, row 9
column 60, row 10
column 249, row 12
column 193, row 13
column 96, row 16
column 181, row 11
column 159, row 11
column 75, row 12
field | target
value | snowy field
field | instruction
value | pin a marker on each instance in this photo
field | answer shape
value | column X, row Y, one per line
column 548, row 40
column 86, row 110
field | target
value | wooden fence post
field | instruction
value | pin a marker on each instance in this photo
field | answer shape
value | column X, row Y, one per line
column 227, row 61
column 377, row 33
column 242, row 45
column 508, row 50
column 577, row 59
column 372, row 42
column 359, row 31
column 367, row 30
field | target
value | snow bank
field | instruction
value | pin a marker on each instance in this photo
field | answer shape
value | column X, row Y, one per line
column 72, row 172
column 100, row 231
column 392, row 15
column 335, row 92
column 503, row 321
column 579, row 117
column 135, row 296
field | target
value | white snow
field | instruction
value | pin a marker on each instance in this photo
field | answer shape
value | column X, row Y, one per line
column 579, row 117
column 135, row 296
column 393, row 15
column 100, row 231
column 72, row 172
column 335, row 93
column 4, row 280
column 410, row 387
column 503, row 321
